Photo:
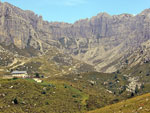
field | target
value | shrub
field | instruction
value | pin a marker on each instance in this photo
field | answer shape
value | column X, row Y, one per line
column 15, row 78
column 136, row 89
column 37, row 75
column 132, row 95
column 43, row 92
column 15, row 101
column 115, row 76
column 126, row 61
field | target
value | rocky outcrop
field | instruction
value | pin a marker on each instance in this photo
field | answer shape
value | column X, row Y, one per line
column 101, row 41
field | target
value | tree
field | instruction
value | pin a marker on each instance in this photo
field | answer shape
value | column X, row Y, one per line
column 11, row 70
column 43, row 92
column 132, row 94
column 136, row 89
column 15, row 101
column 142, row 86
column 115, row 76
column 123, row 89
column 118, row 71
column 37, row 75
column 147, row 73
column 15, row 78
column 126, row 61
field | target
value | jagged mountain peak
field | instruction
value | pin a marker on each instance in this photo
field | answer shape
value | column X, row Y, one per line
column 125, row 15
column 103, row 14
column 145, row 12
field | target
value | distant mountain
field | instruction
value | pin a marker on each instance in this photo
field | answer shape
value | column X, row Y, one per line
column 103, row 41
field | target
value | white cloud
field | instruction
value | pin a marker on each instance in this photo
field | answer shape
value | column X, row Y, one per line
column 74, row 2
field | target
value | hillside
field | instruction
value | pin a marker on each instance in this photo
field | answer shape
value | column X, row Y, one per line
column 59, row 94
column 139, row 104
column 72, row 93
column 52, row 63
column 21, row 96
column 69, row 93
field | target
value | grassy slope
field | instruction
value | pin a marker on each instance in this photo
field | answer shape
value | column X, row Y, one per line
column 139, row 104
column 97, row 94
column 61, row 94
column 40, row 97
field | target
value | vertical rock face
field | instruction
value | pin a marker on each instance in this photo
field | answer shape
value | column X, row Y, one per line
column 18, row 26
column 101, row 40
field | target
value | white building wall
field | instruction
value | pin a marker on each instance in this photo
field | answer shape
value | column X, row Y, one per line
column 20, row 75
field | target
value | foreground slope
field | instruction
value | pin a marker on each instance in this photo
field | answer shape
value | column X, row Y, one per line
column 22, row 96
column 139, row 104
column 69, row 93
column 51, row 96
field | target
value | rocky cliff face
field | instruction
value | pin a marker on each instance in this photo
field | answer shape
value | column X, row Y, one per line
column 101, row 41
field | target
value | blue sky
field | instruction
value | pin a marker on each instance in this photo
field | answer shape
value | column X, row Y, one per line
column 73, row 10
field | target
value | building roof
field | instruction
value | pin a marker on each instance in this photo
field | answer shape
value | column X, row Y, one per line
column 19, row 72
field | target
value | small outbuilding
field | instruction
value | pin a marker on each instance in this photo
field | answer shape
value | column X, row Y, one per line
column 20, row 74
column 37, row 80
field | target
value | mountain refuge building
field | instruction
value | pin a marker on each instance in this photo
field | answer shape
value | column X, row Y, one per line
column 20, row 74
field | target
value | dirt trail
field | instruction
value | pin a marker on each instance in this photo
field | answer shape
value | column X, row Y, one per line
column 22, row 62
column 14, row 62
